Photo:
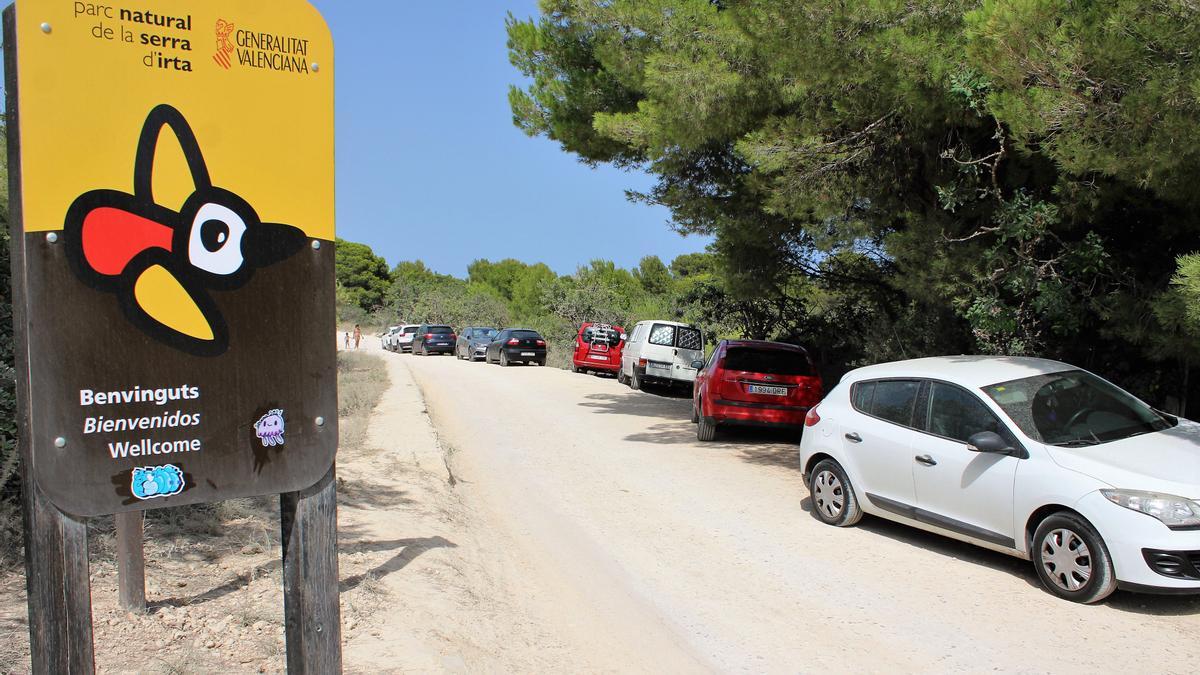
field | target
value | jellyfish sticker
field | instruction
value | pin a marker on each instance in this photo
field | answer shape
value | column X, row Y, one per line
column 269, row 428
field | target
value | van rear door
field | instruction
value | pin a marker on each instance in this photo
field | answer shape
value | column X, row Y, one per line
column 689, row 347
column 670, row 351
column 601, row 342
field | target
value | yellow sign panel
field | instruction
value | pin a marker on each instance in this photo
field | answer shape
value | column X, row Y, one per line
column 111, row 91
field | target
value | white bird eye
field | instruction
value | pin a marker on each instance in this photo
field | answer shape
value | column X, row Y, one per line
column 215, row 243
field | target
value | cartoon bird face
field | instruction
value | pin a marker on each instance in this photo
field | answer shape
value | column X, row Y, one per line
column 157, row 261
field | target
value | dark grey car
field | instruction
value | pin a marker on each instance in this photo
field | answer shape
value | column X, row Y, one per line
column 517, row 345
column 433, row 339
column 473, row 342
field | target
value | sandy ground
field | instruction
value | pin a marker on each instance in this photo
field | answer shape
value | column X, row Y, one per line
column 592, row 532
column 447, row 608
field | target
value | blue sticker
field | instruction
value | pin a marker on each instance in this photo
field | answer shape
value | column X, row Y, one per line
column 269, row 428
column 157, row 481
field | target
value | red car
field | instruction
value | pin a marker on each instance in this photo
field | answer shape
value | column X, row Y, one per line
column 598, row 347
column 754, row 383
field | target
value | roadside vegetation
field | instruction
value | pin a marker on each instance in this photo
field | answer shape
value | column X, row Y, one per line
column 888, row 180
column 513, row 293
column 362, row 380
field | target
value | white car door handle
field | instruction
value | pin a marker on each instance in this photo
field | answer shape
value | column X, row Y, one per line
column 926, row 460
column 853, row 437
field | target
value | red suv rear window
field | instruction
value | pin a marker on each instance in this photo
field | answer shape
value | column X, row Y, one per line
column 605, row 335
column 767, row 361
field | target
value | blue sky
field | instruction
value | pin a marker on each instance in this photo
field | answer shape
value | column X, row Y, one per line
column 430, row 166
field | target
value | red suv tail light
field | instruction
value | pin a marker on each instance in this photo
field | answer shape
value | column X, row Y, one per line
column 453, row 336
column 429, row 336
column 811, row 418
column 513, row 341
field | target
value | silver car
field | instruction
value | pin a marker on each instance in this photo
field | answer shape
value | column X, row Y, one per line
column 473, row 342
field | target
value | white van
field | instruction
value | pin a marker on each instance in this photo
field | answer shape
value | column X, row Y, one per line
column 661, row 352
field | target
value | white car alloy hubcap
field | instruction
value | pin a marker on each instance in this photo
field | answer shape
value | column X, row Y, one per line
column 827, row 494
column 1067, row 560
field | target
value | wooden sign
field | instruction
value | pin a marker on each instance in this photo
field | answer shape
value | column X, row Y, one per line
column 177, row 225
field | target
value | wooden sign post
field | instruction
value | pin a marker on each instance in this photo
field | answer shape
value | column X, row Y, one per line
column 171, row 190
column 131, row 561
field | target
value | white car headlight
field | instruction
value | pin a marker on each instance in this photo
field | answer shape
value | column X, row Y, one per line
column 1175, row 512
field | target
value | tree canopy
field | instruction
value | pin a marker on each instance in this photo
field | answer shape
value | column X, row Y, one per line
column 890, row 179
column 362, row 277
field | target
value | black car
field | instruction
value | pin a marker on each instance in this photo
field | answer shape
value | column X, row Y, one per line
column 517, row 344
column 433, row 339
column 473, row 342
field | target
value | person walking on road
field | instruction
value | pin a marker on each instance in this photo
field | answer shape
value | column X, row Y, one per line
column 357, row 335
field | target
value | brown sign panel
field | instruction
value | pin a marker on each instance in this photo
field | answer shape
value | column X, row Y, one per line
column 176, row 226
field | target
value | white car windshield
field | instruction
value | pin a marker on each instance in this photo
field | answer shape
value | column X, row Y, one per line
column 1075, row 408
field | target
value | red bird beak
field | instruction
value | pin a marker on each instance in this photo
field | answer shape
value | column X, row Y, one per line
column 112, row 237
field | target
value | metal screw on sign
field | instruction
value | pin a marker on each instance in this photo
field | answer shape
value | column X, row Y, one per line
column 316, row 245
column 51, row 237
column 60, row 442
column 320, row 421
column 45, row 27
column 315, row 67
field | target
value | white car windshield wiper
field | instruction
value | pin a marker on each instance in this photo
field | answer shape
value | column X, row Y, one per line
column 1075, row 443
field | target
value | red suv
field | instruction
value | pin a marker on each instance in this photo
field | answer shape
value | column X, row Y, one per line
column 598, row 347
column 754, row 383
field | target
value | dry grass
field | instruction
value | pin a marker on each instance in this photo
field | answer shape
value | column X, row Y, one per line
column 11, row 536
column 362, row 378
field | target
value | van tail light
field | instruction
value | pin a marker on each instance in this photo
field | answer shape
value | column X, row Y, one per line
column 812, row 418
column 641, row 363
column 513, row 341
column 541, row 343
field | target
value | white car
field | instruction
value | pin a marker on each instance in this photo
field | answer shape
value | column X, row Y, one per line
column 387, row 340
column 404, row 338
column 1034, row 458
column 661, row 352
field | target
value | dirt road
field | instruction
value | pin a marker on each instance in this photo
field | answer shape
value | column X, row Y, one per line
column 624, row 545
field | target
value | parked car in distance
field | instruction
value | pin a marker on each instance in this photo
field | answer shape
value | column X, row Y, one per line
column 402, row 342
column 661, row 352
column 433, row 339
column 473, row 342
column 1034, row 458
column 754, row 383
column 598, row 347
column 516, row 345
column 388, row 337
